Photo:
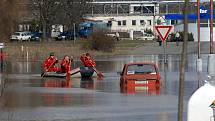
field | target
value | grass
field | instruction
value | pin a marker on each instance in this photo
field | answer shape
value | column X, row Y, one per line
column 42, row 49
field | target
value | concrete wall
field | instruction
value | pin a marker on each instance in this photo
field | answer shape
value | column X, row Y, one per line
column 192, row 28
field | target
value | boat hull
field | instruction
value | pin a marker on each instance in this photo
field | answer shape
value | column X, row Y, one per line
column 85, row 72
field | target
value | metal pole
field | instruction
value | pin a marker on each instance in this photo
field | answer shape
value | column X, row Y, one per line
column 27, row 57
column 167, row 8
column 198, row 26
column 199, row 60
column 214, row 113
column 117, row 9
column 2, row 59
column 164, row 48
column 211, row 27
column 154, row 19
column 74, row 32
column 183, row 63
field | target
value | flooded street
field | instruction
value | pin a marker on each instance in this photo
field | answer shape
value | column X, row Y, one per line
column 29, row 97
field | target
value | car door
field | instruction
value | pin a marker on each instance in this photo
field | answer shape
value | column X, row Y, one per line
column 25, row 36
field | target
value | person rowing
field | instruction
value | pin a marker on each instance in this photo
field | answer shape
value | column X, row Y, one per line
column 49, row 65
column 88, row 65
column 66, row 64
column 88, row 61
column 50, row 62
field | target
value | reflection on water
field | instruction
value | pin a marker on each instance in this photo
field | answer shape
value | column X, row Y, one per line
column 60, row 83
column 113, row 64
column 28, row 95
column 149, row 90
column 87, row 83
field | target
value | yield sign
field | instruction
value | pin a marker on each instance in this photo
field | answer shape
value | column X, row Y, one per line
column 163, row 31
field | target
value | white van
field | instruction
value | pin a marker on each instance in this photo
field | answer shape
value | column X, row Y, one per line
column 20, row 36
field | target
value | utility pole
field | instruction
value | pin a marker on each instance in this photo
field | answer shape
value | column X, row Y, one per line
column 183, row 63
column 199, row 60
column 211, row 26
column 198, row 27
column 211, row 57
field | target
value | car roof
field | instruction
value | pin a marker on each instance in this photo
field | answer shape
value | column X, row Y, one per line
column 23, row 32
column 136, row 63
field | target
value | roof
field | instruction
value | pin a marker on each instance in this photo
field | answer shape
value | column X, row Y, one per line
column 135, row 63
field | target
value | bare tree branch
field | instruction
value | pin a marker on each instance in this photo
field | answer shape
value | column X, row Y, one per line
column 9, row 18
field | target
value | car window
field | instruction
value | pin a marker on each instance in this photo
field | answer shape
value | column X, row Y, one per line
column 17, row 34
column 141, row 69
column 123, row 70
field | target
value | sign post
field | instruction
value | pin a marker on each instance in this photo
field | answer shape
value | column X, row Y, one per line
column 1, row 53
column 163, row 32
column 1, row 81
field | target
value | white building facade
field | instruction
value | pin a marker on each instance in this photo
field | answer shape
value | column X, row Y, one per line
column 122, row 23
column 140, row 16
column 192, row 28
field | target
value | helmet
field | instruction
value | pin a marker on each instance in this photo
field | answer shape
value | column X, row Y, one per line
column 51, row 53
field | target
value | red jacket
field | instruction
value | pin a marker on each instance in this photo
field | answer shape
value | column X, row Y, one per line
column 65, row 66
column 49, row 64
column 87, row 61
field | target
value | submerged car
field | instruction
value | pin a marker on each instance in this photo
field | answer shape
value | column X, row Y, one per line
column 140, row 76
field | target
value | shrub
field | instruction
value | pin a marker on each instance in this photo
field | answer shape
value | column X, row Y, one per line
column 173, row 39
column 99, row 41
column 190, row 36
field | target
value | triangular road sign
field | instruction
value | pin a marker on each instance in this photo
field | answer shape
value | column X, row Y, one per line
column 163, row 31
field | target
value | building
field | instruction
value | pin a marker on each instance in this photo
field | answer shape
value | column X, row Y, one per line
column 192, row 26
column 126, row 16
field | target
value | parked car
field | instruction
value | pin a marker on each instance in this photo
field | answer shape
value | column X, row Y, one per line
column 36, row 36
column 140, row 76
column 67, row 35
column 147, row 37
column 21, row 36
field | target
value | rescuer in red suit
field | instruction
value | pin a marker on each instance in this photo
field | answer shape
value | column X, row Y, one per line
column 49, row 64
column 66, row 64
column 87, row 60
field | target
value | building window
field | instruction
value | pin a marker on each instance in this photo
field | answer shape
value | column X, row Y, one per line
column 119, row 23
column 137, row 9
column 124, row 22
column 133, row 22
column 109, row 24
column 142, row 22
column 149, row 22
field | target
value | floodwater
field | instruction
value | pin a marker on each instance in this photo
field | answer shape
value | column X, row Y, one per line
column 28, row 97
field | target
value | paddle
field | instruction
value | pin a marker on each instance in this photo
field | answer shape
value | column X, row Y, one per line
column 47, row 69
column 68, row 74
column 99, row 74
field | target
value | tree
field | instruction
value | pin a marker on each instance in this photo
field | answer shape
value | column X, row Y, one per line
column 74, row 11
column 65, row 12
column 183, row 63
column 9, row 14
column 46, row 12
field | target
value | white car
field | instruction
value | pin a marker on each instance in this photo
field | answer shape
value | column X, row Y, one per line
column 20, row 36
column 148, row 37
